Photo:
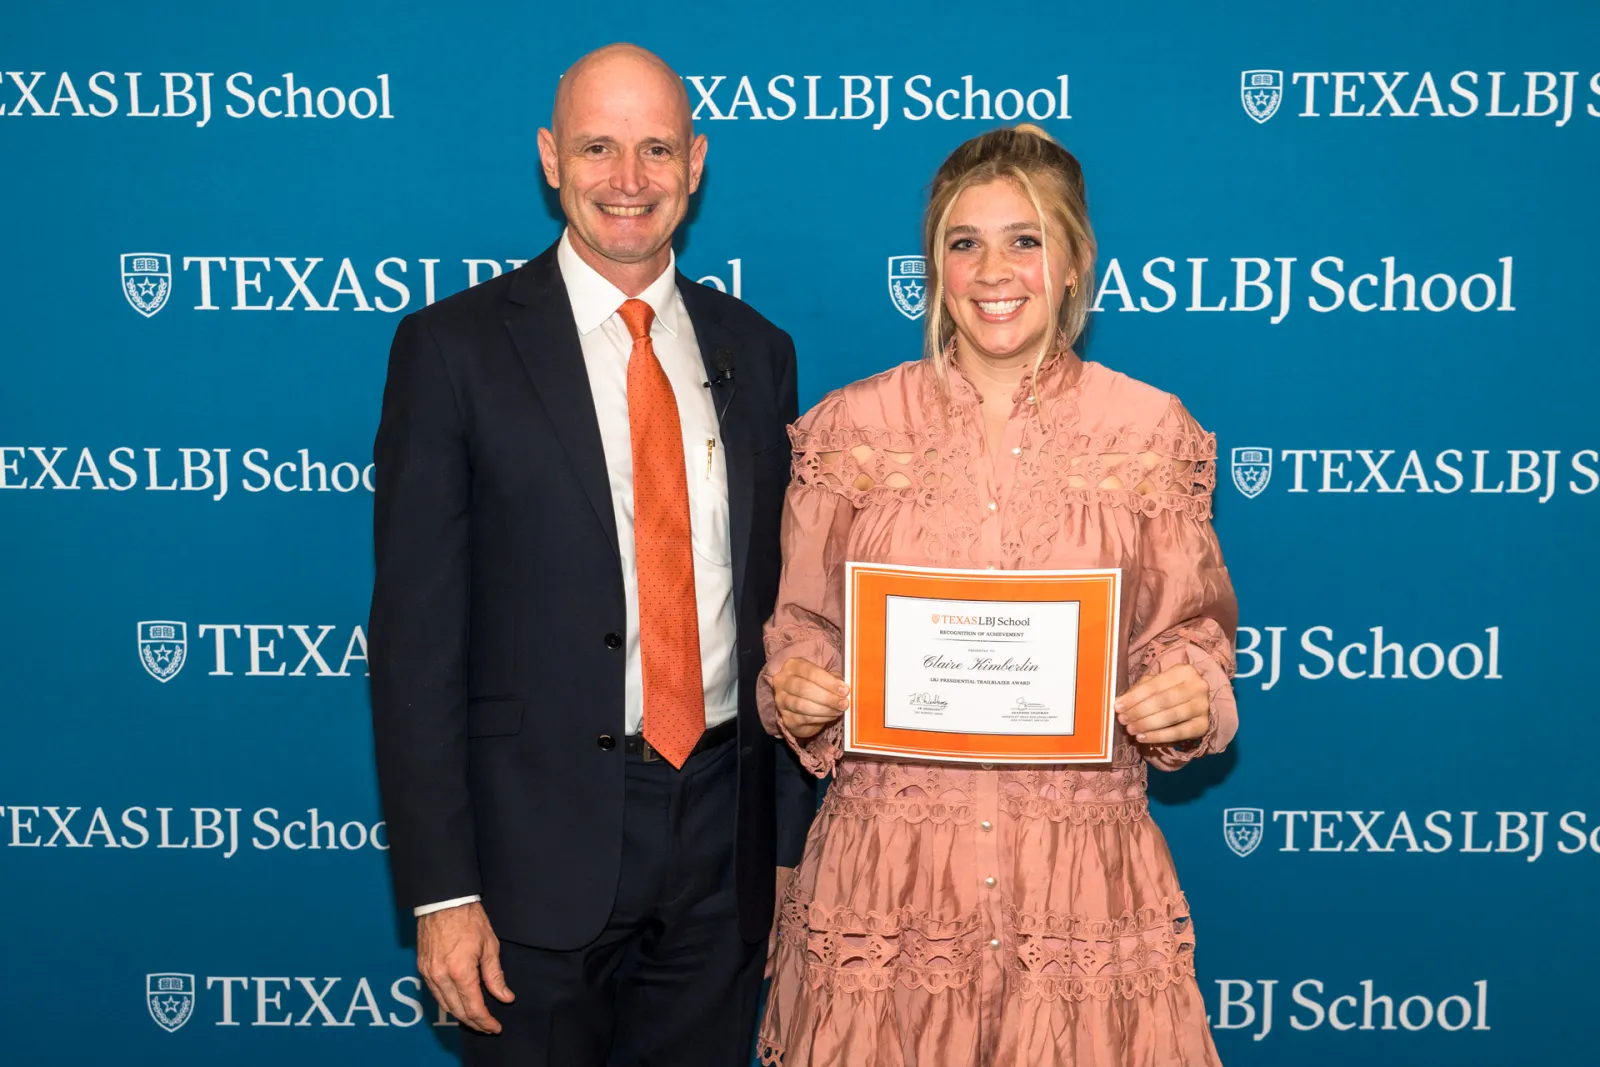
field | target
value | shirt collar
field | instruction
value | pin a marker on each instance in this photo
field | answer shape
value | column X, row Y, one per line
column 594, row 299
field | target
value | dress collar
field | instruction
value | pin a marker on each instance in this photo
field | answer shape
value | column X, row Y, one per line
column 1059, row 373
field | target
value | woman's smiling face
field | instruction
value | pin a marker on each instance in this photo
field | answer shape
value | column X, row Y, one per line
column 994, row 272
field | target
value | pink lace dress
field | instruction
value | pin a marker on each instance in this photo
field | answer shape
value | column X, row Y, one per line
column 947, row 916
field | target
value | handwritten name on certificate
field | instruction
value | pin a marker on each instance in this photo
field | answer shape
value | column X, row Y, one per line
column 981, row 666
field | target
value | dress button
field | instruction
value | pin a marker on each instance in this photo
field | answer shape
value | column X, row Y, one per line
column 993, row 506
column 987, row 825
column 613, row 640
column 989, row 881
column 994, row 942
column 606, row 742
column 1016, row 451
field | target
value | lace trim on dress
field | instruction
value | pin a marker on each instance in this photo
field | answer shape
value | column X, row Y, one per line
column 1076, row 811
column 902, row 778
column 866, row 475
column 1053, row 955
column 1054, row 987
column 850, row 951
column 820, row 754
column 1122, row 780
column 779, row 638
column 917, row 792
column 805, row 915
column 1169, row 468
column 1203, row 634
column 907, row 809
column 1065, row 924
column 1142, row 983
column 879, row 981
column 961, row 813
column 1063, row 956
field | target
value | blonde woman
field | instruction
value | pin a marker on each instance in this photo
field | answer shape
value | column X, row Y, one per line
column 947, row 915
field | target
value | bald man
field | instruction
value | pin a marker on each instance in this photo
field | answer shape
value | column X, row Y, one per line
column 580, row 474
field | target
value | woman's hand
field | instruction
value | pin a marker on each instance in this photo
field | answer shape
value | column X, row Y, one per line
column 1174, row 705
column 808, row 697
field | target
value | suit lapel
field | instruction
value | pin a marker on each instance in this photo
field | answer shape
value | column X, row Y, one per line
column 540, row 321
column 738, row 441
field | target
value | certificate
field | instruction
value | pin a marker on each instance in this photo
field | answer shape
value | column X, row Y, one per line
column 981, row 666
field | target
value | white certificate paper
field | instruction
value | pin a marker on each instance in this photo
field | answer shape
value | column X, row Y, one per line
column 981, row 667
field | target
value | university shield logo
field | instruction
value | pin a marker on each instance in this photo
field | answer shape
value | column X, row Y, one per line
column 163, row 647
column 1261, row 91
column 170, row 998
column 908, row 285
column 146, row 281
column 1242, row 829
column 1252, row 470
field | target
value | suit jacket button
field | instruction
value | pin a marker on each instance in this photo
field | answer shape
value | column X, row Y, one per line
column 607, row 742
column 613, row 640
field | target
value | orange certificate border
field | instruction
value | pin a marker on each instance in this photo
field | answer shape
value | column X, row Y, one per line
column 868, row 587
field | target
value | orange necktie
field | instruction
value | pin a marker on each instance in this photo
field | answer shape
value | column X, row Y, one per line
column 669, row 621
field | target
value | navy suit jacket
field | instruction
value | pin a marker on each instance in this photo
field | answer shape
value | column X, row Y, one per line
column 497, row 686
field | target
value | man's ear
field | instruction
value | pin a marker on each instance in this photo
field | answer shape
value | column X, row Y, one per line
column 697, row 161
column 549, row 160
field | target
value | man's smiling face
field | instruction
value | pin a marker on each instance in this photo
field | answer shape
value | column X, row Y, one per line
column 623, row 154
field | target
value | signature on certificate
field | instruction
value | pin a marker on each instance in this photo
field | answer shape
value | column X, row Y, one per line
column 1025, row 705
column 929, row 701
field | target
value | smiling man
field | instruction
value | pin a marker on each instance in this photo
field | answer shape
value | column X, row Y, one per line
column 580, row 475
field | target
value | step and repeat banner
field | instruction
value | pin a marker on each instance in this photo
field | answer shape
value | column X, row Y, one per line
column 1358, row 240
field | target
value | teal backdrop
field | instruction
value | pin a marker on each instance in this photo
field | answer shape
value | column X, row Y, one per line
column 1357, row 239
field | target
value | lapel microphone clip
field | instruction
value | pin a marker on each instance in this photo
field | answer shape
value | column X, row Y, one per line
column 722, row 359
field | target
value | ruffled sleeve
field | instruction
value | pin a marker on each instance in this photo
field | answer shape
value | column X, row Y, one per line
column 809, row 616
column 1184, row 609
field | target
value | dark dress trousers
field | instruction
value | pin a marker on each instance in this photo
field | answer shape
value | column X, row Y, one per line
column 498, row 615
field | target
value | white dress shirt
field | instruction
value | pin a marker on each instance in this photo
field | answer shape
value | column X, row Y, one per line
column 606, row 349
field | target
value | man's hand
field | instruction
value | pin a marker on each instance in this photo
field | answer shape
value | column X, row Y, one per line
column 458, row 955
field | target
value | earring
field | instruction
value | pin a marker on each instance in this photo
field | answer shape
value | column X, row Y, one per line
column 1072, row 288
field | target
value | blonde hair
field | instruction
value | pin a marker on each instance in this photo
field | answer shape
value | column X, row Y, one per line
column 1053, row 181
